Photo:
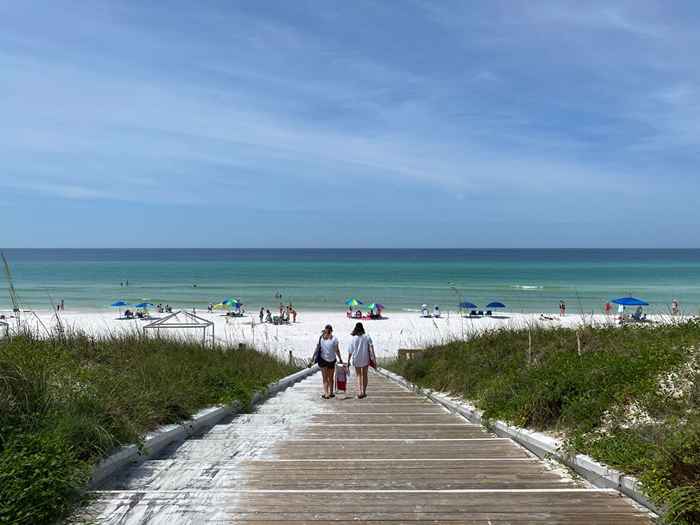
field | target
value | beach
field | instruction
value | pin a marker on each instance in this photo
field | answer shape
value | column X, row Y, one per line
column 398, row 330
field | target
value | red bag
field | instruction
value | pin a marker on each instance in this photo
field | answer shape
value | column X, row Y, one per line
column 372, row 360
column 341, row 379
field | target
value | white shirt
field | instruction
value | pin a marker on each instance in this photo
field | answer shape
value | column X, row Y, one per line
column 359, row 350
column 328, row 348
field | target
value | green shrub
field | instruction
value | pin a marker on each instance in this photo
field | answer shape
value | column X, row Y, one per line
column 608, row 400
column 65, row 403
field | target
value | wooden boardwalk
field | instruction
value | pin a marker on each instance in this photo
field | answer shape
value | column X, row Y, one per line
column 391, row 458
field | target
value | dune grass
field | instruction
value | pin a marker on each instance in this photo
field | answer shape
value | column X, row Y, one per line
column 67, row 402
column 630, row 397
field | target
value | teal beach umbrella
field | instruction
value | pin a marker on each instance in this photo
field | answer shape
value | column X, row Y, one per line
column 353, row 302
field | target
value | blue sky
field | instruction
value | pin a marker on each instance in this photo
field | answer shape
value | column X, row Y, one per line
column 349, row 124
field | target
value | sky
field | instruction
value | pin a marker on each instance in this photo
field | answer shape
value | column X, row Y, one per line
column 389, row 124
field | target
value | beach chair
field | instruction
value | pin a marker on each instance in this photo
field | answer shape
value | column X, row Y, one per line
column 473, row 313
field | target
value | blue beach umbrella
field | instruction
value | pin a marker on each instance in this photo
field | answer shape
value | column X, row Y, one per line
column 496, row 304
column 630, row 301
column 377, row 306
column 143, row 305
column 353, row 302
column 468, row 305
column 119, row 304
column 231, row 302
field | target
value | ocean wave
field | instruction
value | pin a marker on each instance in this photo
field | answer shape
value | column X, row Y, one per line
column 527, row 287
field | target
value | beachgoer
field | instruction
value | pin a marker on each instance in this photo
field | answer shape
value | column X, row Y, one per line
column 608, row 308
column 358, row 314
column 360, row 354
column 562, row 308
column 121, row 283
column 328, row 349
column 436, row 311
column 210, row 307
column 675, row 307
column 127, row 282
column 268, row 316
column 262, row 313
column 294, row 315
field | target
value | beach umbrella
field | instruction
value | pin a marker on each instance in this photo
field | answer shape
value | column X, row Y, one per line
column 375, row 306
column 467, row 304
column 630, row 301
column 495, row 304
column 353, row 302
column 231, row 302
column 143, row 305
column 119, row 304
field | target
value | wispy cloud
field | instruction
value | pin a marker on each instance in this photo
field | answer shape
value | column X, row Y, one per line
column 443, row 105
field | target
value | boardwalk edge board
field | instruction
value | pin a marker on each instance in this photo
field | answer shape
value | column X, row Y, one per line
column 539, row 444
column 206, row 418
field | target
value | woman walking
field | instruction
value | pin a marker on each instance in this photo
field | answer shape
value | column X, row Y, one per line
column 328, row 350
column 360, row 354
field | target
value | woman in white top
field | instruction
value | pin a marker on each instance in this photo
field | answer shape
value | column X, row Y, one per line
column 360, row 354
column 327, row 352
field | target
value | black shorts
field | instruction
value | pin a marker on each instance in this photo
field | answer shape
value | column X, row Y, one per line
column 326, row 364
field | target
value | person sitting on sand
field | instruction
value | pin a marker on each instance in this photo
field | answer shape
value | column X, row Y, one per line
column 358, row 314
column 268, row 316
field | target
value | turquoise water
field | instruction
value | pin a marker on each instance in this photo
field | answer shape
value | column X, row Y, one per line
column 526, row 280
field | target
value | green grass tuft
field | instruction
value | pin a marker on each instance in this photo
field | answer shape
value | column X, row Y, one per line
column 67, row 402
column 630, row 399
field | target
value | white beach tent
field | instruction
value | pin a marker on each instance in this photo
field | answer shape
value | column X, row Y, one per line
column 182, row 319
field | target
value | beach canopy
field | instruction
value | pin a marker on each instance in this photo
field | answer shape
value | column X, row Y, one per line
column 353, row 302
column 467, row 304
column 143, row 305
column 231, row 302
column 375, row 306
column 496, row 304
column 119, row 304
column 220, row 306
column 630, row 301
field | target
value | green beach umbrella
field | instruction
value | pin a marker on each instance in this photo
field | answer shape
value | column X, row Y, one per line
column 353, row 302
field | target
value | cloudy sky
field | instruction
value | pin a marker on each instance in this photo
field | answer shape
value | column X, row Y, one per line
column 349, row 124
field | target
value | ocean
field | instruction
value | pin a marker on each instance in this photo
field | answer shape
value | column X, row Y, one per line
column 322, row 279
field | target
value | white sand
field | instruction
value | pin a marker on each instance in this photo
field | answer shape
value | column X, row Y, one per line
column 400, row 330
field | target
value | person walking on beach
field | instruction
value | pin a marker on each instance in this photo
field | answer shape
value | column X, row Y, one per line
column 360, row 355
column 328, row 349
column 562, row 308
column 262, row 313
column 675, row 307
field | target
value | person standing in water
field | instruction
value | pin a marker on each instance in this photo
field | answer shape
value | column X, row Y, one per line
column 360, row 354
column 328, row 349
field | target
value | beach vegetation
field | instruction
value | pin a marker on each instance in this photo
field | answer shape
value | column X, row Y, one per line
column 66, row 402
column 628, row 396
